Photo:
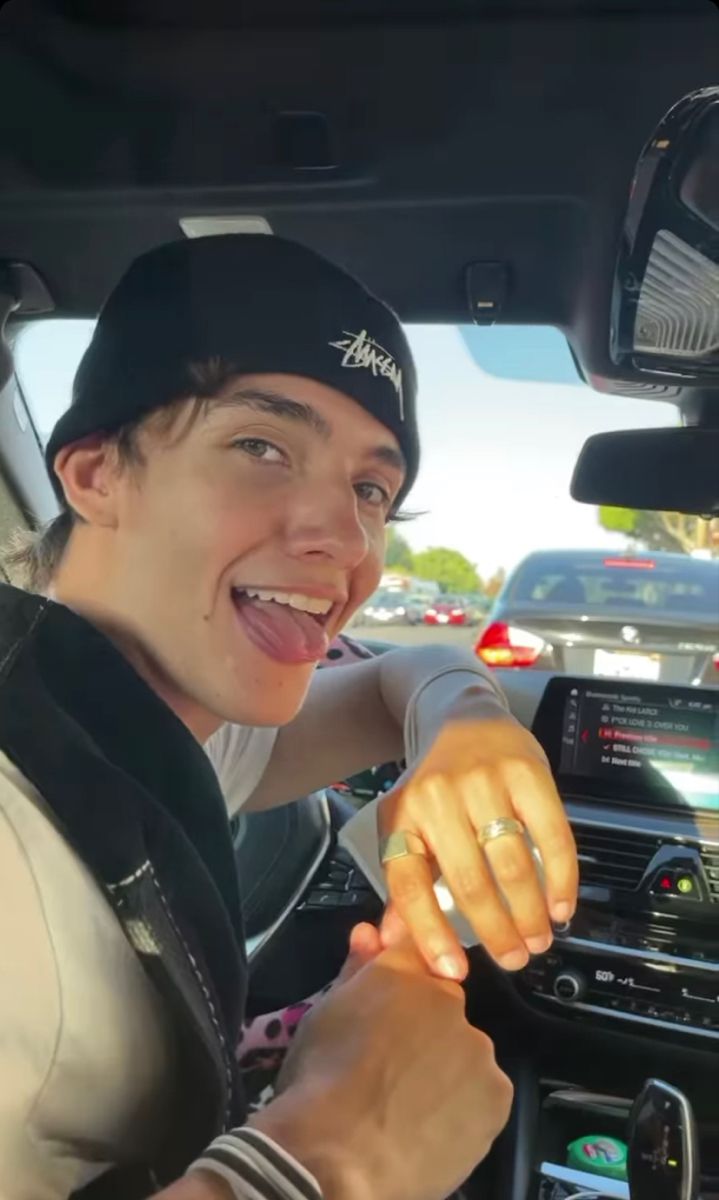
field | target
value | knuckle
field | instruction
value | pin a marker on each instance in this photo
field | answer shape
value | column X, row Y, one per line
column 484, row 1044
column 505, row 1097
column 468, row 886
column 484, row 777
column 498, row 1082
column 528, row 770
column 559, row 842
column 523, row 766
column 510, row 867
column 432, row 793
column 406, row 889
column 431, row 783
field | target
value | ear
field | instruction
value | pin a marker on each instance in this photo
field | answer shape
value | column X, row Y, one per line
column 88, row 472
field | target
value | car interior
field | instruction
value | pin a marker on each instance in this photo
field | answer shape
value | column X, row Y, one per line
column 553, row 163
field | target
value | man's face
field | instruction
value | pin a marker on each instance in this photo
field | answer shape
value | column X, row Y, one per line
column 246, row 543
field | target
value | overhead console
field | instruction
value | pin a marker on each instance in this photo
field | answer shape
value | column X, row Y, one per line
column 637, row 765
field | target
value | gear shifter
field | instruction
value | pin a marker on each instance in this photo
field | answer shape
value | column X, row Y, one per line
column 663, row 1149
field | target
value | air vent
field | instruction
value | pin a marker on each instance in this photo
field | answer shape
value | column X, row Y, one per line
column 710, row 862
column 613, row 858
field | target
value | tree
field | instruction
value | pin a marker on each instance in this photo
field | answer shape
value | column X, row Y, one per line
column 676, row 532
column 398, row 552
column 495, row 583
column 449, row 568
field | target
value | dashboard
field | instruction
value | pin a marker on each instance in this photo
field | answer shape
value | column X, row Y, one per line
column 637, row 766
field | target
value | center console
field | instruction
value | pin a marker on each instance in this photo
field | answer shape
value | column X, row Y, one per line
column 637, row 766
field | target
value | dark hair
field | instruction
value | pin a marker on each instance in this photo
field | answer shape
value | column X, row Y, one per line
column 32, row 556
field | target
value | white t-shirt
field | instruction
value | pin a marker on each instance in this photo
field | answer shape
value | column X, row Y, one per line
column 240, row 755
column 85, row 1065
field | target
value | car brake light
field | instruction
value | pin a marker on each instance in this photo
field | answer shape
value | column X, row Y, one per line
column 636, row 564
column 715, row 660
column 456, row 612
column 431, row 612
column 503, row 645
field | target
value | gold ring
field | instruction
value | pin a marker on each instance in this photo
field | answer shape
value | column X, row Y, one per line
column 500, row 827
column 401, row 845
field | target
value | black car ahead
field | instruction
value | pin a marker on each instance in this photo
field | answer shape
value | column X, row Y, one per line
column 638, row 616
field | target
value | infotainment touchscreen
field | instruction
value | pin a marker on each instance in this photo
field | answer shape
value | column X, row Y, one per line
column 633, row 742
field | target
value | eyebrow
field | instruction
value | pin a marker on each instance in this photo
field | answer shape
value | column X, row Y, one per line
column 274, row 403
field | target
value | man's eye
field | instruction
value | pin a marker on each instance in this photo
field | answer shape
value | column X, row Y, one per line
column 374, row 494
column 259, row 448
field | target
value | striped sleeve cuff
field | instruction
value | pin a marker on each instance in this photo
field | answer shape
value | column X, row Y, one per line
column 256, row 1168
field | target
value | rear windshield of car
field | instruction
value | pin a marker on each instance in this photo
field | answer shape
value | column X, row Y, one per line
column 687, row 586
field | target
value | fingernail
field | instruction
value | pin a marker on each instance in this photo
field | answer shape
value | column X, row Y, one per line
column 514, row 961
column 538, row 945
column 561, row 912
column 450, row 967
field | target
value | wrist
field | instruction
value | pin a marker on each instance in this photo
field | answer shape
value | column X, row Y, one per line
column 455, row 695
column 297, row 1124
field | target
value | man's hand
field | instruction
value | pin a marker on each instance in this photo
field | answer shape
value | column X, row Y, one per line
column 388, row 1092
column 476, row 771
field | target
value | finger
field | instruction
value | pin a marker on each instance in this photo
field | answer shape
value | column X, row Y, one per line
column 365, row 945
column 392, row 928
column 466, row 874
column 365, row 941
column 411, row 888
column 512, row 866
column 405, row 956
column 536, row 802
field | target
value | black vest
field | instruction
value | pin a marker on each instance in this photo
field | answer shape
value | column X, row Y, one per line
column 136, row 796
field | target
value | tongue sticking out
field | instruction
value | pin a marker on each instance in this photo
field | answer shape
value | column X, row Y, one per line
column 285, row 634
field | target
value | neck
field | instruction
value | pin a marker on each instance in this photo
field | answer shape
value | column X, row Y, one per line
column 201, row 723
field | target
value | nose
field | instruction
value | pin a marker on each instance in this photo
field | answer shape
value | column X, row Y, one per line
column 325, row 524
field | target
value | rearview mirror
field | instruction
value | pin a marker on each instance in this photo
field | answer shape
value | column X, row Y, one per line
column 665, row 311
column 665, row 470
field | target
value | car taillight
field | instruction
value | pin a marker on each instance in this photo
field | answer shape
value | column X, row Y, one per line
column 715, row 660
column 504, row 645
column 634, row 564
column 431, row 612
column 457, row 612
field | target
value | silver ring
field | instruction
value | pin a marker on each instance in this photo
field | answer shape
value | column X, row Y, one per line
column 499, row 827
column 402, row 844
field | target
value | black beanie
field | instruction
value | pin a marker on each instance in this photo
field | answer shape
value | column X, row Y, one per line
column 261, row 305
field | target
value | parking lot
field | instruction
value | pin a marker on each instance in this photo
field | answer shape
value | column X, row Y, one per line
column 418, row 635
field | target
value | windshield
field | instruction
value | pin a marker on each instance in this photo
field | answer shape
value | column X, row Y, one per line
column 503, row 416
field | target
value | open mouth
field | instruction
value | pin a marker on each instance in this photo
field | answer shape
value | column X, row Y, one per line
column 290, row 627
column 320, row 610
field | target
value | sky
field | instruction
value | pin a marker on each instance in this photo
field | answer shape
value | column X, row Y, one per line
column 498, row 449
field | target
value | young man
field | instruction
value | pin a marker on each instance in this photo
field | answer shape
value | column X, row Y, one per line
column 242, row 428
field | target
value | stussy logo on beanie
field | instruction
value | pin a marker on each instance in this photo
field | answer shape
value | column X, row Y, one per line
column 360, row 350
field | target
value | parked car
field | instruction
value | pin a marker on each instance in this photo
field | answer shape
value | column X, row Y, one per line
column 448, row 610
column 623, row 616
column 391, row 608
column 477, row 607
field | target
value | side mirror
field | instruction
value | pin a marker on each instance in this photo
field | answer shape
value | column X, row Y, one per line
column 672, row 470
column 665, row 310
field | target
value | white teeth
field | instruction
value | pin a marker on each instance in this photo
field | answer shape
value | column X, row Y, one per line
column 310, row 604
